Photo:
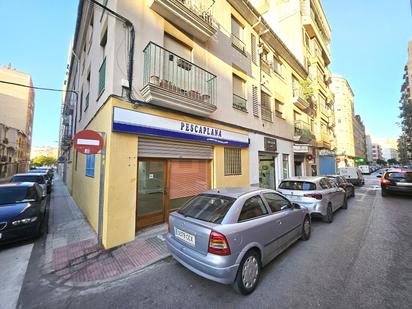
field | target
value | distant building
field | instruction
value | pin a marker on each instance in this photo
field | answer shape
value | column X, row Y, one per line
column 376, row 152
column 48, row 151
column 389, row 149
column 368, row 144
column 16, row 121
column 359, row 139
column 344, row 115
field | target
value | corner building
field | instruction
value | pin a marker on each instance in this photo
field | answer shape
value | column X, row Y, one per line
column 217, row 101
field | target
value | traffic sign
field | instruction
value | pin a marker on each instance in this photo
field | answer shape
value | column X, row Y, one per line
column 88, row 142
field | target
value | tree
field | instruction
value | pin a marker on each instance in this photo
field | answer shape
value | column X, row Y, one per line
column 43, row 160
column 381, row 162
column 392, row 161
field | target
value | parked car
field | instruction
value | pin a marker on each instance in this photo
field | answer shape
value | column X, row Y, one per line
column 365, row 169
column 353, row 175
column 49, row 171
column 227, row 235
column 40, row 179
column 22, row 211
column 341, row 182
column 319, row 194
column 396, row 181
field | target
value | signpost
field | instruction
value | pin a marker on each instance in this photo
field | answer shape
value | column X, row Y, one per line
column 90, row 142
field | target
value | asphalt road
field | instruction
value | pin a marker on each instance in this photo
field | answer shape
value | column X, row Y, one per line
column 361, row 260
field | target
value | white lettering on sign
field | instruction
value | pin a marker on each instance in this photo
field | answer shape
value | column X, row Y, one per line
column 196, row 128
column 92, row 142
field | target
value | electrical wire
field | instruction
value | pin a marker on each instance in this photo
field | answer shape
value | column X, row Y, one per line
column 38, row 88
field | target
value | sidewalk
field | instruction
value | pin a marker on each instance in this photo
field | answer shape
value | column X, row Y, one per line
column 72, row 253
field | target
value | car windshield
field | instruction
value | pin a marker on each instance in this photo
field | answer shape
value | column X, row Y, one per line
column 207, row 207
column 28, row 178
column 297, row 185
column 11, row 195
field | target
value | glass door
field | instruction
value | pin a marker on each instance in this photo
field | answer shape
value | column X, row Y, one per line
column 151, row 193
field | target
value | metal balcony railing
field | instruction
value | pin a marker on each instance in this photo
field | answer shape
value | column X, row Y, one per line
column 202, row 8
column 303, row 129
column 171, row 72
column 239, row 102
column 238, row 43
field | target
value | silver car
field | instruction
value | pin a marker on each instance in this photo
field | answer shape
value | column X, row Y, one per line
column 227, row 235
column 320, row 195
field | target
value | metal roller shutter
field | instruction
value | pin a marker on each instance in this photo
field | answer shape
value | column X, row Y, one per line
column 157, row 148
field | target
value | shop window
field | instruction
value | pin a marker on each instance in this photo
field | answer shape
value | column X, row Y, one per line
column 90, row 162
column 233, row 161
column 285, row 166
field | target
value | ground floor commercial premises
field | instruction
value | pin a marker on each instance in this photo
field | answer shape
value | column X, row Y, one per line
column 156, row 160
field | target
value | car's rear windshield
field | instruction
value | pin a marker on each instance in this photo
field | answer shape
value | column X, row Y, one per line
column 404, row 176
column 297, row 185
column 11, row 195
column 28, row 178
column 207, row 207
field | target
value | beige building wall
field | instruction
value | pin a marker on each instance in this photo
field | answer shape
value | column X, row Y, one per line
column 359, row 137
column 344, row 108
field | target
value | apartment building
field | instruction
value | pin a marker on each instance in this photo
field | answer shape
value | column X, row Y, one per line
column 344, row 115
column 368, row 144
column 207, row 96
column 304, row 28
column 405, row 141
column 16, row 121
column 376, row 152
column 359, row 140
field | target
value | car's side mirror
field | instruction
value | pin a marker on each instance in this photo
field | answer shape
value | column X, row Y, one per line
column 295, row 206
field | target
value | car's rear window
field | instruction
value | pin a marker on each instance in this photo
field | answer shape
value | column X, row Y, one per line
column 28, row 178
column 400, row 176
column 11, row 195
column 207, row 207
column 297, row 185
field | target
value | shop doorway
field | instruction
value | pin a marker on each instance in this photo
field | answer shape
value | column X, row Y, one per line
column 298, row 168
column 267, row 174
column 151, row 192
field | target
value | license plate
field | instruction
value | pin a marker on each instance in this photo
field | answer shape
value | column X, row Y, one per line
column 294, row 197
column 186, row 237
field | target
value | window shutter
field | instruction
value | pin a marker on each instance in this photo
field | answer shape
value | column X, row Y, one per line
column 254, row 48
column 255, row 101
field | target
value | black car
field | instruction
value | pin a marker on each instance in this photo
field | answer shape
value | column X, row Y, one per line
column 42, row 179
column 22, row 211
column 341, row 182
column 396, row 181
column 49, row 171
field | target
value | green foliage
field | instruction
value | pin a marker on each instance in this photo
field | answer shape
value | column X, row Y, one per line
column 43, row 160
column 307, row 88
column 392, row 161
column 381, row 162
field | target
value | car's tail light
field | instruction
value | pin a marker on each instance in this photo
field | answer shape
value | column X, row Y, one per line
column 218, row 244
column 317, row 196
column 385, row 181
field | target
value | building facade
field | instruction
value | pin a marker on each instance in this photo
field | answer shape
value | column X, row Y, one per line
column 16, row 121
column 405, row 141
column 359, row 140
column 344, row 115
column 368, row 144
column 376, row 152
column 208, row 96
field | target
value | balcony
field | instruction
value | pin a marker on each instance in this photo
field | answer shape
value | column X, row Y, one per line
column 303, row 132
column 68, row 109
column 324, row 141
column 239, row 103
column 299, row 98
column 66, row 120
column 176, row 83
column 193, row 16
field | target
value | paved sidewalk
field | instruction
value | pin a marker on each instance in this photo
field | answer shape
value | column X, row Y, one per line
column 72, row 253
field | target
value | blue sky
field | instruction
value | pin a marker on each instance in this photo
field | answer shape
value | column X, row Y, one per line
column 369, row 48
column 35, row 37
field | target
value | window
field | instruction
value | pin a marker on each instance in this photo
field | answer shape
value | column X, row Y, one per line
column 295, row 86
column 324, row 184
column 233, row 161
column 253, row 48
column 285, row 159
column 237, row 35
column 276, row 202
column 277, row 66
column 279, row 109
column 239, row 100
column 297, row 185
column 102, row 76
column 81, row 105
column 266, row 107
column 90, row 162
column 253, row 207
column 207, row 207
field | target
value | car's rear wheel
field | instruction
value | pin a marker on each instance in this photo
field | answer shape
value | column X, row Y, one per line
column 384, row 192
column 353, row 192
column 248, row 273
column 328, row 218
column 306, row 229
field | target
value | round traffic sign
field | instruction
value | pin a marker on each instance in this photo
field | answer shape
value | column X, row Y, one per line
column 88, row 142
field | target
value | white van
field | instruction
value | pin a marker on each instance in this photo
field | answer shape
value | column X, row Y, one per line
column 365, row 169
column 353, row 175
